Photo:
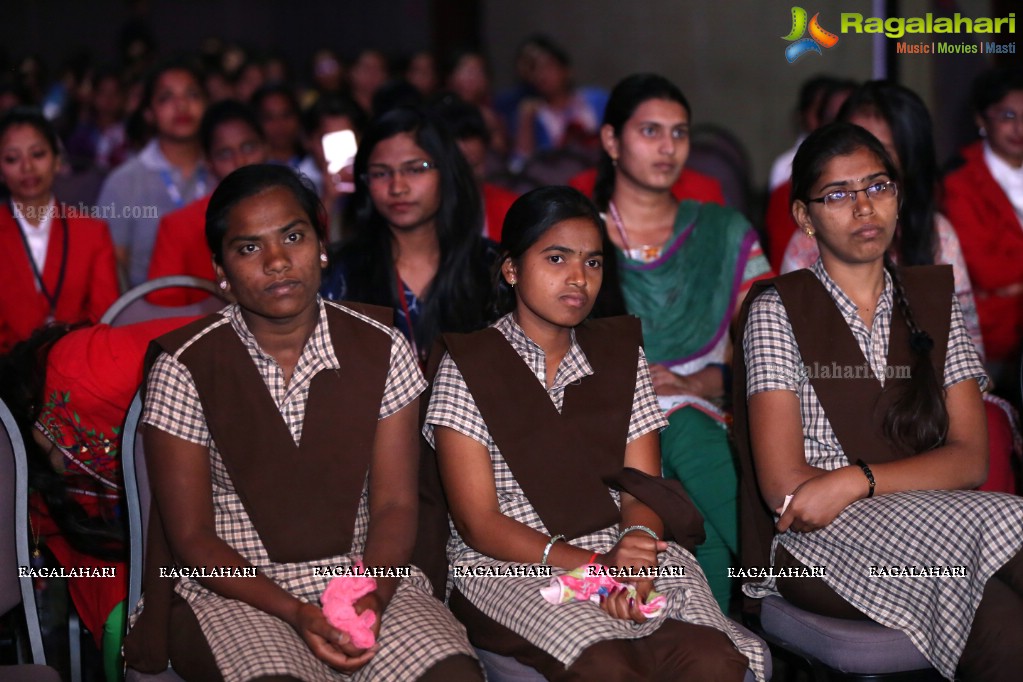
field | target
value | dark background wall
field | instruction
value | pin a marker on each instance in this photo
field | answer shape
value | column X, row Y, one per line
column 727, row 55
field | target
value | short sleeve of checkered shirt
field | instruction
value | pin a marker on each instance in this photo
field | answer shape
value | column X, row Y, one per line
column 172, row 404
column 962, row 361
column 769, row 347
column 646, row 412
column 452, row 405
column 404, row 380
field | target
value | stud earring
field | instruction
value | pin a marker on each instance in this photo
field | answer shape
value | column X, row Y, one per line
column 809, row 232
column 223, row 284
column 323, row 257
column 511, row 282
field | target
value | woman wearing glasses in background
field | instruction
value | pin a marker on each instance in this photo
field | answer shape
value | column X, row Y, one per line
column 867, row 469
column 984, row 200
column 417, row 247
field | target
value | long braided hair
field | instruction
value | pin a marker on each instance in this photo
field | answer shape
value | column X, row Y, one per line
column 918, row 420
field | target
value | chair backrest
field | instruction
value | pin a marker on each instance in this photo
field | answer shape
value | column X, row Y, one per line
column 14, row 588
column 132, row 306
column 137, row 497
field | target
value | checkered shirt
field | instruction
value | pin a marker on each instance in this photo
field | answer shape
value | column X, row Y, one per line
column 247, row 642
column 924, row 528
column 565, row 630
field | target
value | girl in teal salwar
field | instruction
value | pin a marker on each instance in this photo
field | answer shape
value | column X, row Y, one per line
column 683, row 268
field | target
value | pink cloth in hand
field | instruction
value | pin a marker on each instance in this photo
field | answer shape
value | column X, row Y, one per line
column 587, row 583
column 339, row 608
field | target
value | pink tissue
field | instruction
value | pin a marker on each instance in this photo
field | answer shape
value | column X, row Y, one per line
column 579, row 585
column 338, row 606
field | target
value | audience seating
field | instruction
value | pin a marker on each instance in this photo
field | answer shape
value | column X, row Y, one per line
column 132, row 306
column 137, row 499
column 14, row 552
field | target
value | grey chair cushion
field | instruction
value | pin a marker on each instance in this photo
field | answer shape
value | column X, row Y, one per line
column 850, row 646
column 507, row 669
column 28, row 673
column 167, row 675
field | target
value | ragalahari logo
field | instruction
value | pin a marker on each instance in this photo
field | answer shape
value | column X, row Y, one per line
column 817, row 39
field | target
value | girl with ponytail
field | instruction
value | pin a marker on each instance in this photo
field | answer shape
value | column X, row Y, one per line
column 862, row 430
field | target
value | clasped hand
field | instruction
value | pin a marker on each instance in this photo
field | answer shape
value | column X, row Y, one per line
column 329, row 644
column 638, row 551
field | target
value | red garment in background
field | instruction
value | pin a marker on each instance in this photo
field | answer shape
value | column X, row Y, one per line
column 180, row 249
column 496, row 202
column 90, row 276
column 690, row 185
column 91, row 377
column 779, row 225
column 992, row 241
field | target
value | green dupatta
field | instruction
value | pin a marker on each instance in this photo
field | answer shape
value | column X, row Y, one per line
column 686, row 297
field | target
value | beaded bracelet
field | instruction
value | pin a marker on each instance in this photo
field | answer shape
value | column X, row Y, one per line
column 869, row 474
column 547, row 549
column 637, row 527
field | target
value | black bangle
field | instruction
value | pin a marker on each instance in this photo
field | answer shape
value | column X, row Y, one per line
column 869, row 474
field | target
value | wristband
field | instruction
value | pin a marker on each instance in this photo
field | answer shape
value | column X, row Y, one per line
column 547, row 549
column 637, row 527
column 869, row 474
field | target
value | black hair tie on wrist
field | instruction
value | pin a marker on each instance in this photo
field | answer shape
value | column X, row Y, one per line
column 921, row 342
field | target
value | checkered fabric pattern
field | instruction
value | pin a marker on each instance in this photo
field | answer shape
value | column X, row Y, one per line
column 564, row 631
column 978, row 531
column 246, row 642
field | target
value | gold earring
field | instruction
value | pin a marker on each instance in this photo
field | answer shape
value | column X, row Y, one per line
column 809, row 232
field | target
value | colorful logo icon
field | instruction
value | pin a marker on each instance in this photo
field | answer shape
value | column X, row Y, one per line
column 817, row 39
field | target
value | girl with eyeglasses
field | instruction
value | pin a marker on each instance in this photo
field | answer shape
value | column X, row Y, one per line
column 417, row 247
column 898, row 118
column 860, row 427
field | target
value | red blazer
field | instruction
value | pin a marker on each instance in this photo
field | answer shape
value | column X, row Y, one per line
column 992, row 241
column 90, row 276
column 779, row 224
column 496, row 202
column 180, row 249
column 690, row 185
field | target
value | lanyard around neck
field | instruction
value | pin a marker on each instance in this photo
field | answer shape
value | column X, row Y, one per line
column 50, row 298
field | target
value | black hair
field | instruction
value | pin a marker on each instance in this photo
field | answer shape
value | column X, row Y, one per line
column 271, row 90
column 833, row 89
column 626, row 97
column 31, row 116
column 219, row 113
column 812, row 91
column 912, row 133
column 249, row 181
column 332, row 104
column 394, row 94
column 457, row 300
column 993, row 85
column 918, row 420
column 154, row 75
column 463, row 120
column 22, row 388
column 827, row 142
column 532, row 215
column 549, row 47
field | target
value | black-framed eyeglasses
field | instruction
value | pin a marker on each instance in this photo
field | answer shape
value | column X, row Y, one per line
column 414, row 169
column 879, row 191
